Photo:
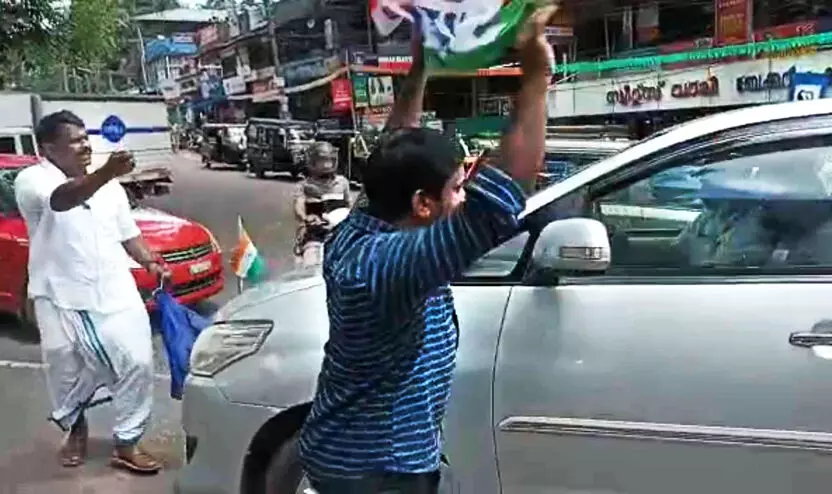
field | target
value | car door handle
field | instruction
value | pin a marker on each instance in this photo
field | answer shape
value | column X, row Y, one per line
column 808, row 340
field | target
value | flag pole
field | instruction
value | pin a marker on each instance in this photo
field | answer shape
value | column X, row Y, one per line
column 239, row 234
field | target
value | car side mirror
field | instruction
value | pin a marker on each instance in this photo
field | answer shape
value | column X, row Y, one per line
column 573, row 245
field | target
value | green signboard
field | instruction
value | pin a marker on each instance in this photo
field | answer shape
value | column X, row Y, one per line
column 361, row 96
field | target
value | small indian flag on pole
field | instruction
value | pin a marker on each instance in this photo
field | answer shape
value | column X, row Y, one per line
column 246, row 261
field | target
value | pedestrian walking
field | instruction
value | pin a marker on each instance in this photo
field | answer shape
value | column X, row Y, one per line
column 374, row 425
column 95, row 331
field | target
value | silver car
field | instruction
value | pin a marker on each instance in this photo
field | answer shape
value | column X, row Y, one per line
column 625, row 341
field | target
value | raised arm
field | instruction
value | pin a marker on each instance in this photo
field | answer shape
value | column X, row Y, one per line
column 78, row 190
column 407, row 109
column 522, row 147
column 410, row 263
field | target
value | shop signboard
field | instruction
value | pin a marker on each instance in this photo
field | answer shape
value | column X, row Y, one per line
column 559, row 35
column 695, row 88
column 495, row 105
column 791, row 30
column 395, row 63
column 361, row 91
column 268, row 90
column 262, row 74
column 730, row 84
column 183, row 38
column 381, row 91
column 341, row 96
column 732, row 19
column 170, row 90
column 303, row 71
column 208, row 35
column 234, row 85
column 361, row 57
column 764, row 81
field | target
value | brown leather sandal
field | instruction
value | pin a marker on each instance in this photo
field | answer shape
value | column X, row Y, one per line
column 135, row 460
column 73, row 452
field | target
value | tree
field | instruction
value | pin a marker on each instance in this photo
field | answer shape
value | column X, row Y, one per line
column 150, row 6
column 95, row 28
column 24, row 25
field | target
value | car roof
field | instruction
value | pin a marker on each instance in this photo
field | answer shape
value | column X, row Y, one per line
column 10, row 161
column 678, row 134
column 606, row 145
column 7, row 131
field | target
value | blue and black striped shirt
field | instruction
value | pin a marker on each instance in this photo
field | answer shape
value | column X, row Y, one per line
column 386, row 375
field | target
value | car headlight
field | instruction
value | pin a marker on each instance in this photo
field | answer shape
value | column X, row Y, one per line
column 214, row 244
column 224, row 343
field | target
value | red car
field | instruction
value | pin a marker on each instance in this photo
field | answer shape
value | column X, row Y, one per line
column 190, row 250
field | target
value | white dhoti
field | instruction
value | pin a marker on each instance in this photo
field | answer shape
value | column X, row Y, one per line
column 86, row 351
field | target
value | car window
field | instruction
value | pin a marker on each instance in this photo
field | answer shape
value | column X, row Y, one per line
column 27, row 142
column 7, row 145
column 559, row 165
column 761, row 206
column 501, row 260
column 8, row 204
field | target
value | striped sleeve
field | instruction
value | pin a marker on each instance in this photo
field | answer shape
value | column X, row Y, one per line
column 410, row 263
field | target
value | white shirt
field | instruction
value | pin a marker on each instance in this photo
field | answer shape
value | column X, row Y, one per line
column 76, row 257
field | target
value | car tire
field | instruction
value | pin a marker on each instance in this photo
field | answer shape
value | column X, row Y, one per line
column 284, row 475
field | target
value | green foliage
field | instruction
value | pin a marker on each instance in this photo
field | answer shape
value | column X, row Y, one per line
column 24, row 25
column 95, row 28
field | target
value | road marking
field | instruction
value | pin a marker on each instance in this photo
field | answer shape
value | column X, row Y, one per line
column 22, row 364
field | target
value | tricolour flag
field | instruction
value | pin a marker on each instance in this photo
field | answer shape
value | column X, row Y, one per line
column 386, row 15
column 246, row 261
column 459, row 34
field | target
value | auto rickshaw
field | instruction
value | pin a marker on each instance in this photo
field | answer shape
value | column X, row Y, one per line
column 224, row 143
column 278, row 145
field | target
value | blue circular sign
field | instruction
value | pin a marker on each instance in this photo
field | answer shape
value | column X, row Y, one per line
column 113, row 129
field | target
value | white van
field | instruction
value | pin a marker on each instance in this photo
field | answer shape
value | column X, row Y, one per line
column 18, row 140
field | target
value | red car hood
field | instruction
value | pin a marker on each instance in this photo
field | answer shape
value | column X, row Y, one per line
column 164, row 232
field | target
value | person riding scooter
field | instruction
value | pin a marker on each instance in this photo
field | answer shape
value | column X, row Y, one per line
column 322, row 200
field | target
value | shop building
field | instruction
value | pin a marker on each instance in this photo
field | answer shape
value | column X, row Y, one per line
column 694, row 84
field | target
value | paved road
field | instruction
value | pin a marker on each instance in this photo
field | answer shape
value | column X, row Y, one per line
column 28, row 443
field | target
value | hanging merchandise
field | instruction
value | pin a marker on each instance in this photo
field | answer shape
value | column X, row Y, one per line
column 807, row 86
column 381, row 91
column 459, row 35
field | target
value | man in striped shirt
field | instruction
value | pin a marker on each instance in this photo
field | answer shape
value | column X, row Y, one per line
column 374, row 426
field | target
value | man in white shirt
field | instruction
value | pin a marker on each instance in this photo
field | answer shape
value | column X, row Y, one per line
column 95, row 331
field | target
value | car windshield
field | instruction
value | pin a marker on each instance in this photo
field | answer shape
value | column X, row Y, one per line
column 298, row 134
column 561, row 164
column 236, row 132
column 558, row 165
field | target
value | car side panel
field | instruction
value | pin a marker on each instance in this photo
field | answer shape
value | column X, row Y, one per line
column 469, row 436
column 14, row 257
column 284, row 372
column 656, row 388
